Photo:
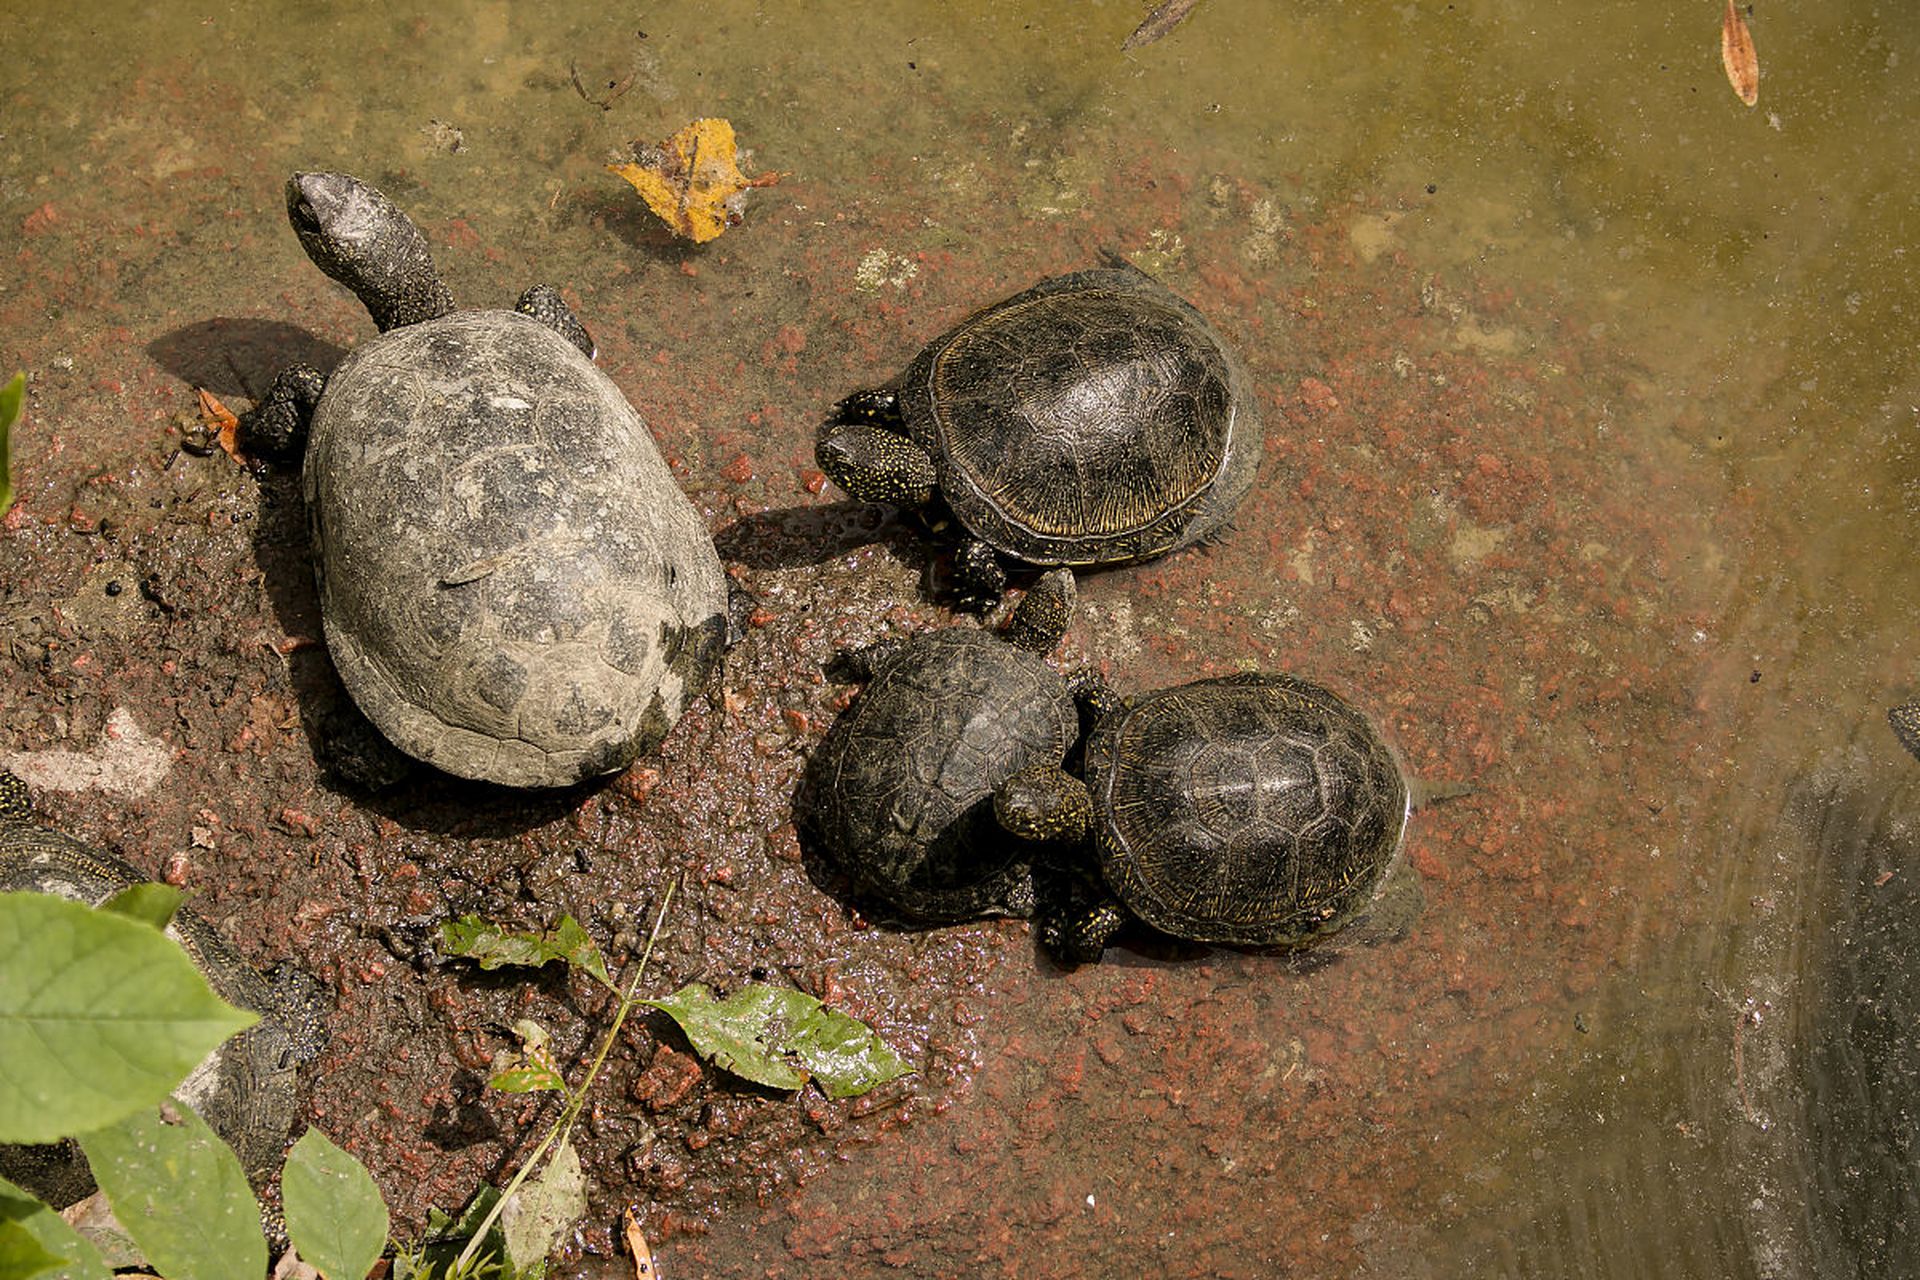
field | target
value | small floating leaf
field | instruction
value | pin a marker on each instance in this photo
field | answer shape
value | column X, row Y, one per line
column 11, row 397
column 221, row 423
column 637, row 1246
column 760, row 1032
column 335, row 1216
column 495, row 947
column 1737, row 53
column 692, row 180
column 1162, row 20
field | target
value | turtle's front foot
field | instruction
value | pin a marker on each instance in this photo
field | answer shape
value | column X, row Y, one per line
column 276, row 426
column 544, row 303
column 978, row 579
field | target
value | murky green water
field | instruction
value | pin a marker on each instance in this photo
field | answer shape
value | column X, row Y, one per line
column 1737, row 1099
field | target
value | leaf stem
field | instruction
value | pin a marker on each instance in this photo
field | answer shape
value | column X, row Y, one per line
column 576, row 1098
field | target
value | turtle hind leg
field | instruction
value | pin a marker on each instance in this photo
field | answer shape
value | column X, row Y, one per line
column 276, row 426
column 544, row 303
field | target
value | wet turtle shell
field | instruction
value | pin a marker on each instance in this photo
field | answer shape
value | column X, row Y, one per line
column 513, row 587
column 246, row 1089
column 902, row 787
column 1096, row 418
column 1251, row 809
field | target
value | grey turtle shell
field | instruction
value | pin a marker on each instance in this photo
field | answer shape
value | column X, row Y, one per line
column 1096, row 418
column 247, row 1089
column 513, row 587
column 902, row 786
column 1251, row 809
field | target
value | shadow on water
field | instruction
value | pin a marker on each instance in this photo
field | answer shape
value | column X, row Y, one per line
column 235, row 356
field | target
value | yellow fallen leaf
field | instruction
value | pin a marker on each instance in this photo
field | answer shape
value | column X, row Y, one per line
column 692, row 181
column 1737, row 53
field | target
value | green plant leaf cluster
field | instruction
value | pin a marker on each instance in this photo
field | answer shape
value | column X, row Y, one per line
column 779, row 1037
column 101, row 1017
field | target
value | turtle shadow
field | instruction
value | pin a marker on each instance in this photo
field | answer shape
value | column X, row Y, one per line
column 238, row 356
column 354, row 758
column 793, row 537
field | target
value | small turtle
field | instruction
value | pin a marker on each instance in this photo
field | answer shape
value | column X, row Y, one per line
column 512, row 585
column 245, row 1089
column 1258, row 810
column 900, row 792
column 1094, row 419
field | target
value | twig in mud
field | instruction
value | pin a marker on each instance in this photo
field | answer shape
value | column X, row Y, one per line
column 1165, row 17
column 615, row 88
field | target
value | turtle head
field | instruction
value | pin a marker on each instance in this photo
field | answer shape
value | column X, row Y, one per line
column 360, row 238
column 1044, row 803
column 863, row 449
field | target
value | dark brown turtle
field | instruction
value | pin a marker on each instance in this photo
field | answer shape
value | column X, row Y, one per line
column 247, row 1088
column 1259, row 810
column 1094, row 419
column 900, row 792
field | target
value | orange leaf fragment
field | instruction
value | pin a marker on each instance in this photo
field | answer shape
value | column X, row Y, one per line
column 220, row 421
column 1737, row 53
column 692, row 180
column 637, row 1246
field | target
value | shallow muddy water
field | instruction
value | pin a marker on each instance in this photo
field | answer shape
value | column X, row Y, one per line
column 1593, row 449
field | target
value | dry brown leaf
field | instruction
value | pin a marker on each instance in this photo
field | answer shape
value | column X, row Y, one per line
column 692, row 180
column 220, row 422
column 1163, row 19
column 637, row 1246
column 1736, row 52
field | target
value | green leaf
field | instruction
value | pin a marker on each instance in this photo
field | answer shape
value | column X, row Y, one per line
column 755, row 1030
column 11, row 397
column 21, row 1254
column 335, row 1216
column 150, row 903
column 100, row 1017
column 74, row 1258
column 493, row 946
column 444, row 1237
column 542, row 1210
column 533, row 1069
column 180, row 1193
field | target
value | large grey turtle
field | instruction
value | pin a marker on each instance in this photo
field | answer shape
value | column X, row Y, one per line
column 512, row 585
column 1253, row 809
column 247, row 1088
column 1094, row 419
column 900, row 792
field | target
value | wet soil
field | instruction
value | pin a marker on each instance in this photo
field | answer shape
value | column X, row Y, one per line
column 1477, row 517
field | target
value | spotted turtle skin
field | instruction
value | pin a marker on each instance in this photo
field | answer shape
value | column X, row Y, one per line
column 1254, row 809
column 1095, row 418
column 902, row 787
column 247, row 1089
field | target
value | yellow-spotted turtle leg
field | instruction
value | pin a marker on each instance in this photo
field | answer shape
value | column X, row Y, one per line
column 276, row 426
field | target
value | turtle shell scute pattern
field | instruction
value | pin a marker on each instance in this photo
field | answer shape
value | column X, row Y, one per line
column 1253, row 809
column 902, row 786
column 513, row 586
column 1088, row 420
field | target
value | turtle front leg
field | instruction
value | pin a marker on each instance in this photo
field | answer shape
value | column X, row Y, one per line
column 276, row 426
column 978, row 579
column 544, row 303
column 1076, row 927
